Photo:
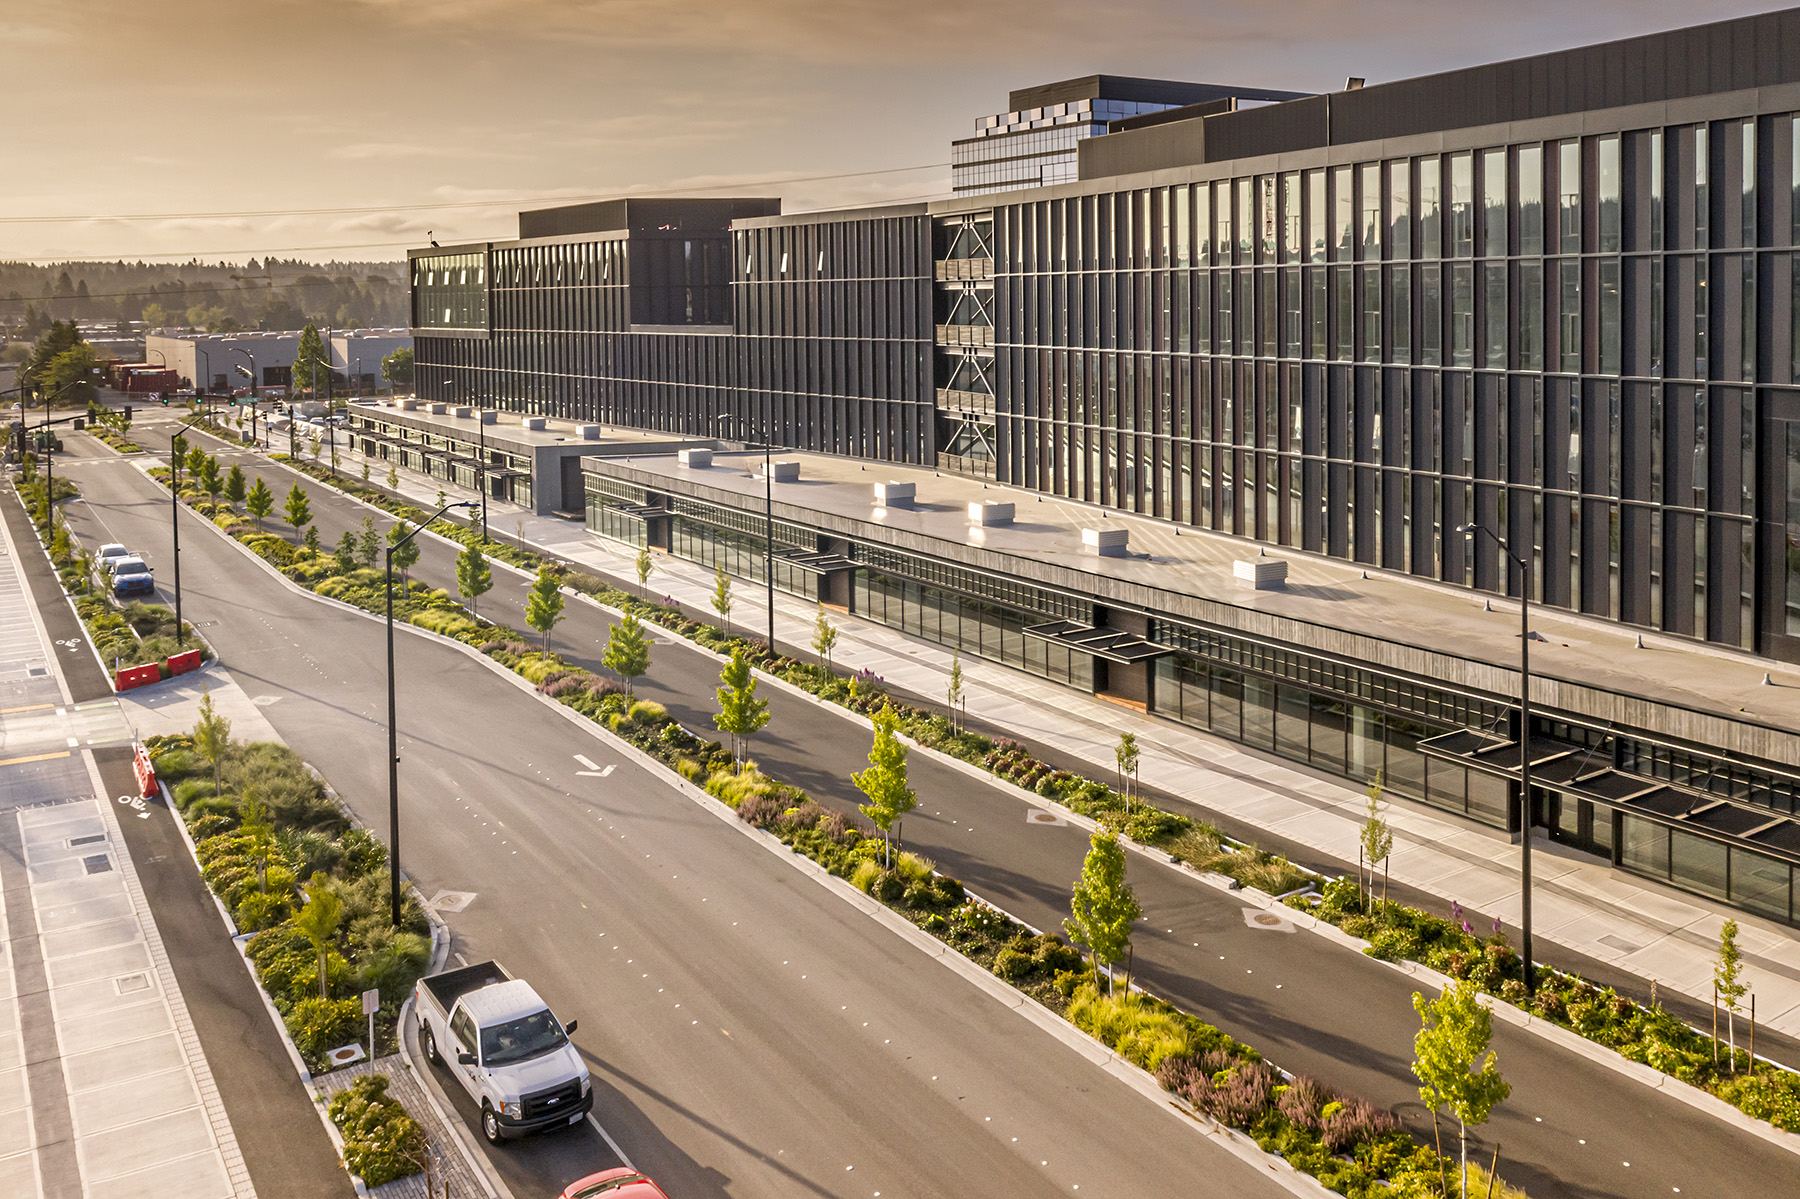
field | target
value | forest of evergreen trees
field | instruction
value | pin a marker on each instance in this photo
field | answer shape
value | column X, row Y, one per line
column 217, row 297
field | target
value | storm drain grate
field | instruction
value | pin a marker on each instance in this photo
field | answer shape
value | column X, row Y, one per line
column 90, row 839
column 130, row 984
column 98, row 864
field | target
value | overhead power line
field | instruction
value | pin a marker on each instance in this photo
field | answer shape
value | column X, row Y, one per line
column 498, row 202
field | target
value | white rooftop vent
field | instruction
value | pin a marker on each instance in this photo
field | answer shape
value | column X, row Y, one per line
column 895, row 494
column 696, row 459
column 409, row 405
column 588, row 432
column 462, row 410
column 782, row 472
column 990, row 512
column 437, row 409
column 535, row 423
column 1107, row 543
column 1264, row 574
column 488, row 416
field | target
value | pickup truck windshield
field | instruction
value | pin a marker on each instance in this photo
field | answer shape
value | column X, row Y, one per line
column 518, row 1040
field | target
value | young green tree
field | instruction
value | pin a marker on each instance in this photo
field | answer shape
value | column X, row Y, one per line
column 740, row 712
column 370, row 542
column 212, row 735
column 259, row 501
column 234, row 484
column 210, row 480
column 309, row 371
column 393, row 479
column 442, row 498
column 544, row 604
column 178, row 448
column 825, row 639
column 1377, row 838
column 311, row 540
column 645, row 566
column 1729, row 985
column 196, row 461
column 297, row 509
column 1125, row 754
column 474, row 578
column 254, row 823
column 345, row 553
column 1455, row 1031
column 403, row 555
column 721, row 597
column 627, row 651
column 1103, row 906
column 953, row 694
column 318, row 923
column 884, row 782
column 365, row 470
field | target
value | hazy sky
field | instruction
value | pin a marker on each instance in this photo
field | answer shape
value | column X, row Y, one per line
column 233, row 123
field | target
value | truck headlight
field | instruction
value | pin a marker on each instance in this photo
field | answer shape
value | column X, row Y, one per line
column 587, row 1084
column 512, row 1110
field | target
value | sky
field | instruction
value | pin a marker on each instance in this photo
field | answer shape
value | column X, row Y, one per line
column 350, row 129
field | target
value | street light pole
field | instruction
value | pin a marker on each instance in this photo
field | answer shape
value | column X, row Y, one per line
column 175, row 519
column 252, row 358
column 1525, row 804
column 393, row 733
column 481, row 467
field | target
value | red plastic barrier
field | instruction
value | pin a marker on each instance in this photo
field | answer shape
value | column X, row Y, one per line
column 145, row 772
column 184, row 662
column 137, row 676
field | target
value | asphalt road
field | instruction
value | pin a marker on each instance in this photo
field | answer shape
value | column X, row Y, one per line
column 1571, row 1127
column 750, row 1032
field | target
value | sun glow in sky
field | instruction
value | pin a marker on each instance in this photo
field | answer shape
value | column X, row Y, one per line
column 349, row 128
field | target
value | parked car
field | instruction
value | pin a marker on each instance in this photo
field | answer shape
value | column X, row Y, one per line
column 621, row 1183
column 111, row 550
column 505, row 1047
column 129, row 564
column 138, row 582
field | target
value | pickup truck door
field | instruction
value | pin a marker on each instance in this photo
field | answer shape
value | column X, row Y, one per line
column 464, row 1040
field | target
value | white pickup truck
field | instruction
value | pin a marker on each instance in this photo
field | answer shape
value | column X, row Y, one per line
column 506, row 1048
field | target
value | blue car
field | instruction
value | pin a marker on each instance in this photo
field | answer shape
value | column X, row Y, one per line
column 140, row 583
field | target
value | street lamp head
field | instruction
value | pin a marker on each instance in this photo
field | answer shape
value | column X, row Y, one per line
column 1466, row 530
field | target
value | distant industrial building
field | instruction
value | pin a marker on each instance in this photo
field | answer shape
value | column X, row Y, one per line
column 218, row 361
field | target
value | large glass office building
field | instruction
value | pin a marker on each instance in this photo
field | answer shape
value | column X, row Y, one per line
column 1556, row 298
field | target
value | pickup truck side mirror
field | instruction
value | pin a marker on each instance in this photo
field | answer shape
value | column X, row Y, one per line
column 465, row 1059
column 569, row 1028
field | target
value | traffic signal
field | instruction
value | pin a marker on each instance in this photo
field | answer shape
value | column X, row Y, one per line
column 165, row 399
column 128, row 414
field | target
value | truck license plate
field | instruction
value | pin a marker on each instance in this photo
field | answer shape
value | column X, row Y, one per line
column 574, row 1119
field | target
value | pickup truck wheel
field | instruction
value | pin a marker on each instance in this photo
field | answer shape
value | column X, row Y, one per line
column 431, row 1053
column 490, row 1125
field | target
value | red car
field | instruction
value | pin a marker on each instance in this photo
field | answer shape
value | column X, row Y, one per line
column 613, row 1184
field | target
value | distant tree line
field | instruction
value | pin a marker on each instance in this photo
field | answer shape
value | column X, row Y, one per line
column 216, row 298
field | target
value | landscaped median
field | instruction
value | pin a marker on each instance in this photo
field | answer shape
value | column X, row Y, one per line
column 1638, row 1032
column 312, row 892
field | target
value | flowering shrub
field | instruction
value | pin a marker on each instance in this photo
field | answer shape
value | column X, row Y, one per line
column 381, row 1142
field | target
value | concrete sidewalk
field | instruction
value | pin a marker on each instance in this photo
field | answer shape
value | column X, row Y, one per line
column 1650, row 931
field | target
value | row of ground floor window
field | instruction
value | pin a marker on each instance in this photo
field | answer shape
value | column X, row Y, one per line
column 1332, row 732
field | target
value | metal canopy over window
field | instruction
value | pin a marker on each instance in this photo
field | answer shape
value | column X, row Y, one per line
column 819, row 563
column 1586, row 774
column 1112, row 645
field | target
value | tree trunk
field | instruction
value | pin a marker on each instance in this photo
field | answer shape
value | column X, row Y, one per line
column 1462, row 1134
column 1437, row 1136
column 1494, row 1172
column 1731, row 1031
column 1130, row 950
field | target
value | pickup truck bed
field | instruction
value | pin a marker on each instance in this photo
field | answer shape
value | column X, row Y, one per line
column 452, row 985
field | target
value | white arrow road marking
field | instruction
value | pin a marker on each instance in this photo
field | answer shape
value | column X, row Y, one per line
column 595, row 774
column 583, row 759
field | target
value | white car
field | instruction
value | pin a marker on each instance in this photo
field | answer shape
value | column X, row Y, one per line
column 111, row 550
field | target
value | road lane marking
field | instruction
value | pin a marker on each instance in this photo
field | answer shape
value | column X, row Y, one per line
column 26, row 708
column 586, row 761
column 614, row 1145
column 33, row 758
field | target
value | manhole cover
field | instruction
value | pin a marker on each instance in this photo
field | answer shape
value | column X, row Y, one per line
column 98, row 864
column 343, row 1055
column 1267, row 920
column 1036, row 816
column 1619, row 943
column 451, row 901
column 131, row 984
